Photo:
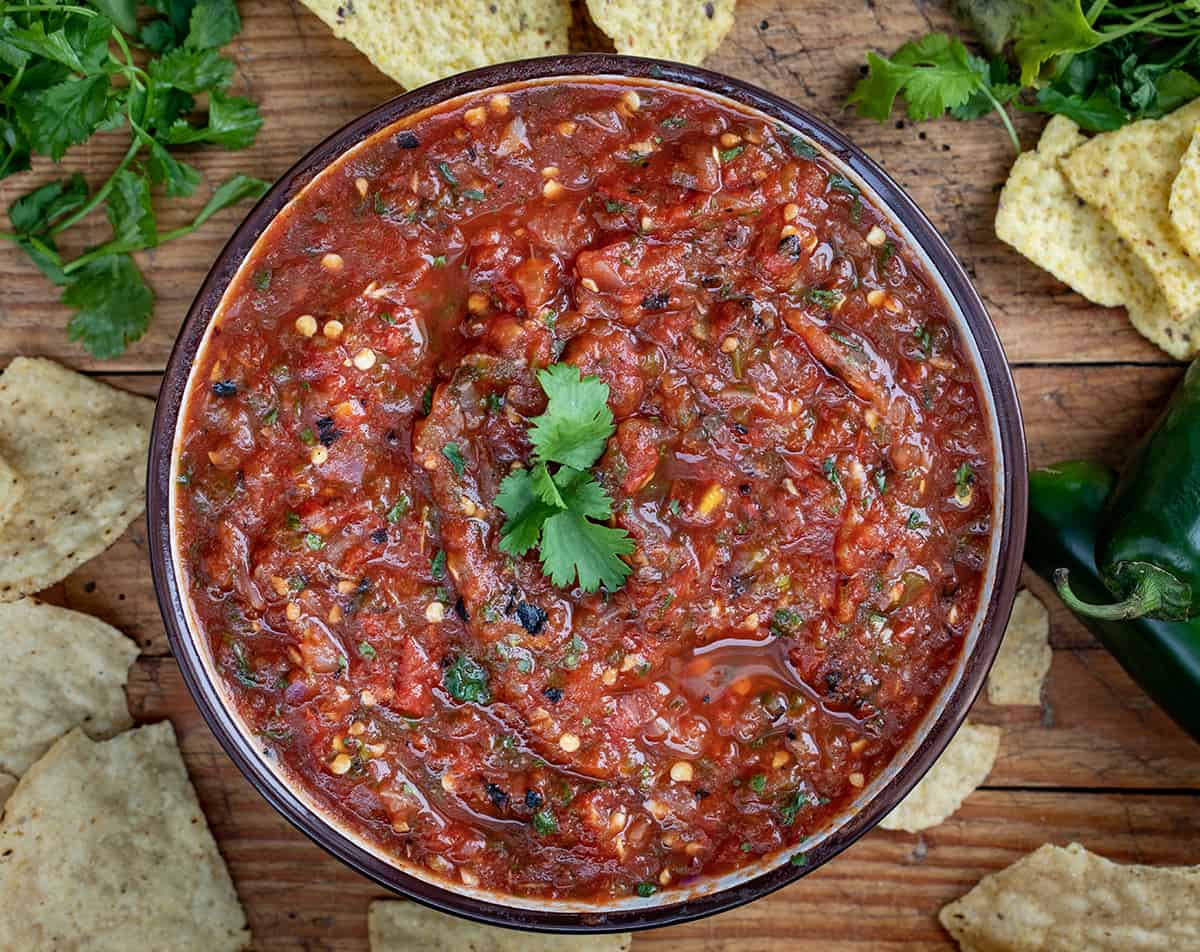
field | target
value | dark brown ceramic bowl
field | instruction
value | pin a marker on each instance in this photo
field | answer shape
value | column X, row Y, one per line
column 769, row 873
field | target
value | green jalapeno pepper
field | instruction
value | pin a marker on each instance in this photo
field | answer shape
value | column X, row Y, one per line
column 1148, row 540
column 1066, row 507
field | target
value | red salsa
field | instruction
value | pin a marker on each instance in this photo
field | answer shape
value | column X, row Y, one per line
column 800, row 461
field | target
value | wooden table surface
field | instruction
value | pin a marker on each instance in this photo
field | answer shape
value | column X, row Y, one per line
column 1096, row 763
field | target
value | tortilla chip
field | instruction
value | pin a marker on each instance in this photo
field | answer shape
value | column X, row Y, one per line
column 80, row 447
column 1024, row 657
column 963, row 766
column 1046, row 222
column 681, row 30
column 104, row 847
column 1065, row 900
column 61, row 669
column 12, row 488
column 415, row 42
column 1127, row 175
column 405, row 926
column 1185, row 199
column 8, row 783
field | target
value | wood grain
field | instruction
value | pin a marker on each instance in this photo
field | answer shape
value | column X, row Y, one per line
column 1095, row 762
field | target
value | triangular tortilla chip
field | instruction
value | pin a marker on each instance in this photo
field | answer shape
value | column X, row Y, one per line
column 80, row 447
column 1127, row 175
column 415, row 42
column 963, row 766
column 405, row 927
column 1024, row 658
column 12, row 488
column 103, row 847
column 1068, row 900
column 60, row 669
column 681, row 30
column 1185, row 199
column 1042, row 218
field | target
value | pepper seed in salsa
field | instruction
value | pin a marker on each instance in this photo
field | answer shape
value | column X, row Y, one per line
column 594, row 499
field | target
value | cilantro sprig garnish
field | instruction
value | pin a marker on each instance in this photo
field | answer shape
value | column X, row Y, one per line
column 1102, row 64
column 69, row 70
column 935, row 74
column 556, row 503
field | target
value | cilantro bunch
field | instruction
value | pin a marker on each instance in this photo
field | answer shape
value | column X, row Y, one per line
column 70, row 70
column 556, row 509
column 1116, row 61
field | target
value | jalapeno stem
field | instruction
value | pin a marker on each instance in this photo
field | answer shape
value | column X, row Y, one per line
column 1146, row 599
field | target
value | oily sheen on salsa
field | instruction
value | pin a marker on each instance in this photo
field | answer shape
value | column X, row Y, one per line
column 800, row 462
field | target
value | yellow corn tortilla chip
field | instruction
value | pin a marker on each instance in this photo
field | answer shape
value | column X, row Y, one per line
column 415, row 42
column 1024, row 657
column 681, row 30
column 80, row 447
column 59, row 669
column 104, row 848
column 963, row 766
column 12, row 488
column 405, row 927
column 1150, row 317
column 1049, row 224
column 1067, row 899
column 1184, row 206
column 1127, row 175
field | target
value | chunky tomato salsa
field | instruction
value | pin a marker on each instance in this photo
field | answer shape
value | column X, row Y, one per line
column 583, row 490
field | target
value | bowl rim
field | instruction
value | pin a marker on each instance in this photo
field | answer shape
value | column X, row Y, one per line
column 991, row 367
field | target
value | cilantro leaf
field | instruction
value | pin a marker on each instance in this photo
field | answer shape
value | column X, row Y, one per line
column 1038, row 29
column 172, row 29
column 467, row 680
column 526, row 512
column 179, row 178
column 112, row 302
column 158, row 36
column 123, row 13
column 575, row 546
column 570, row 488
column 64, row 115
column 582, row 494
column 44, row 254
column 1174, row 88
column 161, row 111
column 233, row 190
column 192, row 71
column 14, row 150
column 233, row 123
column 1048, row 28
column 995, row 89
column 543, row 485
column 454, row 455
column 933, row 72
column 213, row 24
column 11, row 55
column 555, row 510
column 577, row 423
column 36, row 211
column 82, row 53
column 130, row 213
column 1100, row 111
column 793, row 804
